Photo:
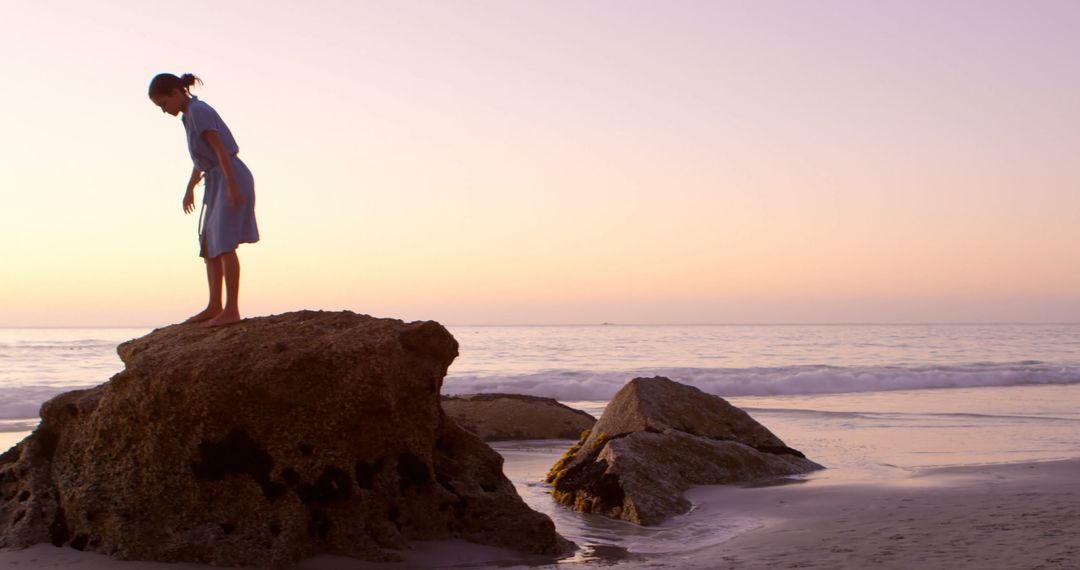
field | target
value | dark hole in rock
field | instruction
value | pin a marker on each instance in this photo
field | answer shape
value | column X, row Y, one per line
column 58, row 530
column 393, row 514
column 488, row 487
column 228, row 528
column 318, row 524
column 18, row 517
column 275, row 529
column 306, row 450
column 412, row 471
column 333, row 486
column 79, row 542
column 609, row 490
column 290, row 476
column 366, row 472
column 591, row 477
column 72, row 411
column 280, row 347
column 24, row 496
column 237, row 454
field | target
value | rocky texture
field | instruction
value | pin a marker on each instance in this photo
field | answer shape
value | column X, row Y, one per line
column 494, row 417
column 654, row 440
column 262, row 443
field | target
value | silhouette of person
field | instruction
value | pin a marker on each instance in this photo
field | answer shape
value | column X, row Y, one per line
column 228, row 209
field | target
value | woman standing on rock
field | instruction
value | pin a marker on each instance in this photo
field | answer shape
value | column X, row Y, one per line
column 228, row 219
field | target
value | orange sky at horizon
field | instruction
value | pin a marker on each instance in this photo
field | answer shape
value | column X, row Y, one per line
column 483, row 162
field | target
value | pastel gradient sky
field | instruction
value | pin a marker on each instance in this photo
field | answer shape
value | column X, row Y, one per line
column 554, row 161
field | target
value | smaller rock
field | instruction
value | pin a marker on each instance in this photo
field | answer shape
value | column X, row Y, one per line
column 495, row 417
column 655, row 439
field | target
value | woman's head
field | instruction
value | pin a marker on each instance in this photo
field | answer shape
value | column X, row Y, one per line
column 170, row 92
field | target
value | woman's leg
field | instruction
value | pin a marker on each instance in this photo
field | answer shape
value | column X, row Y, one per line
column 213, row 282
column 230, row 267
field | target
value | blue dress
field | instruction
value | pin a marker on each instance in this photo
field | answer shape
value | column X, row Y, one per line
column 222, row 227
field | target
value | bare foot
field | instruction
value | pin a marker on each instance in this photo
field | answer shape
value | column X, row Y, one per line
column 205, row 315
column 225, row 318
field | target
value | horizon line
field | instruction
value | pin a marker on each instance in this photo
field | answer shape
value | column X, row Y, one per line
column 628, row 324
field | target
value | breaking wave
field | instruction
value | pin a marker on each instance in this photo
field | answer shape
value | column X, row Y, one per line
column 20, row 404
column 571, row 385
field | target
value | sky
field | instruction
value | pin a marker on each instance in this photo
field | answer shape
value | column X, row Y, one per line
column 553, row 162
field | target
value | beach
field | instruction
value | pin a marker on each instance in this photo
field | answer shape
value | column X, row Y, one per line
column 973, row 466
column 1024, row 515
column 756, row 285
column 1000, row 515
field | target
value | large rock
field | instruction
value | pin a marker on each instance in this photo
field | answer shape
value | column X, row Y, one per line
column 654, row 440
column 495, row 417
column 263, row 443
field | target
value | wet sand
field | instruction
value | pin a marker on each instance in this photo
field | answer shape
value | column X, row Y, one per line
column 996, row 516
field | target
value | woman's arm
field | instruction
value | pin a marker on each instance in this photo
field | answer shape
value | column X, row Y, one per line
column 189, row 196
column 225, row 162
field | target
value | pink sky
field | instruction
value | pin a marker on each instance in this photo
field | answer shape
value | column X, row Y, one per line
column 555, row 162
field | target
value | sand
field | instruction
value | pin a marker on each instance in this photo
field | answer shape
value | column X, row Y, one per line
column 1024, row 515
column 995, row 516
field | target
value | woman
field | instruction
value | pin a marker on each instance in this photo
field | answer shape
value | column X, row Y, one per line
column 228, row 197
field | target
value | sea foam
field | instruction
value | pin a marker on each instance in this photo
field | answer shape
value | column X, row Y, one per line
column 570, row 385
column 23, row 402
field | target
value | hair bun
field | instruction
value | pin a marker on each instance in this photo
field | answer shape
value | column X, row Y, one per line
column 187, row 80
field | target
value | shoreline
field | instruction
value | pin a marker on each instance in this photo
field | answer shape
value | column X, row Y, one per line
column 1005, row 515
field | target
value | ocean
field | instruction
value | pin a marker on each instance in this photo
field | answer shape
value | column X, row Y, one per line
column 870, row 402
column 914, row 381
column 868, row 398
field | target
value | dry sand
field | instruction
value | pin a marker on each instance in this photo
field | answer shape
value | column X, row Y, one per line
column 1014, row 516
